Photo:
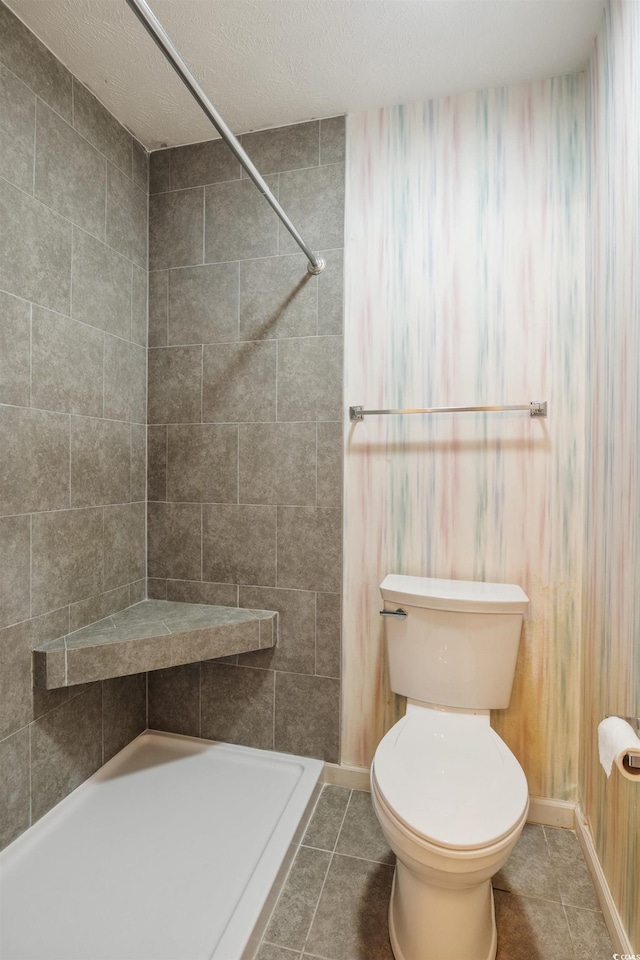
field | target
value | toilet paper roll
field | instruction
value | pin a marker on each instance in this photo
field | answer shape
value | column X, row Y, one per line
column 616, row 740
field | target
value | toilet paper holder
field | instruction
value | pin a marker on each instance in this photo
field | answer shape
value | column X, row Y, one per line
column 634, row 723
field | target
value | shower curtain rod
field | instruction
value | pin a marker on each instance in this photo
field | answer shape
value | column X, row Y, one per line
column 157, row 33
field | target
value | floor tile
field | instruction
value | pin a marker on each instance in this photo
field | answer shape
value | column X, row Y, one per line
column 269, row 951
column 351, row 920
column 591, row 940
column 530, row 929
column 574, row 880
column 294, row 910
column 361, row 835
column 529, row 870
column 327, row 818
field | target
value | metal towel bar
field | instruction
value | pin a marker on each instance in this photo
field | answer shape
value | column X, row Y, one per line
column 537, row 408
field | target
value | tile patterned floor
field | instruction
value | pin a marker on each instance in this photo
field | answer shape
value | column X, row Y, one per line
column 334, row 903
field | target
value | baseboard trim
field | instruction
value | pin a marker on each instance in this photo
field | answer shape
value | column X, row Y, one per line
column 552, row 813
column 343, row 775
column 617, row 932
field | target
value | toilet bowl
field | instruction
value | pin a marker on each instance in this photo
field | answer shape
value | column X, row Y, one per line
column 452, row 801
column 451, row 798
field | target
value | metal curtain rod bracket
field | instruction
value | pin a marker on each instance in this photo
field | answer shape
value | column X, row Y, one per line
column 537, row 408
column 157, row 33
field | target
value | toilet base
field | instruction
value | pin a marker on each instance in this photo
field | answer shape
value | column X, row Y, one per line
column 427, row 935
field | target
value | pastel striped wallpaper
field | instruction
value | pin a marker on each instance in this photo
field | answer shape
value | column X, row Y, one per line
column 611, row 589
column 465, row 285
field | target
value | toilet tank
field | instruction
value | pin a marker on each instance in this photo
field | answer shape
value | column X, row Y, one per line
column 458, row 645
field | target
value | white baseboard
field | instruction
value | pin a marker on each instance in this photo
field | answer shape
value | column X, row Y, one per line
column 552, row 813
column 617, row 932
column 342, row 775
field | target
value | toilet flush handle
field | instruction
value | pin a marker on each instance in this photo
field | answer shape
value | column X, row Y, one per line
column 398, row 614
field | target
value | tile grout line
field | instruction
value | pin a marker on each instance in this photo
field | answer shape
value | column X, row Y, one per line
column 333, row 853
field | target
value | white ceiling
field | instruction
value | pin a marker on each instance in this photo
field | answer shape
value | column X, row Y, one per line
column 266, row 63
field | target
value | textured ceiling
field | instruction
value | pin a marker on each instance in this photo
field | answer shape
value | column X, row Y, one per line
column 267, row 63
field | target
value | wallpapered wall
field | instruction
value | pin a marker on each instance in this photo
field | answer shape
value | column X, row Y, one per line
column 465, row 285
column 611, row 608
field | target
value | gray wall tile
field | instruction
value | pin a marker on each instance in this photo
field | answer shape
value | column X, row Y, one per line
column 125, row 378
column 174, row 700
column 203, row 303
column 176, row 229
column 35, row 250
column 140, row 164
column 17, row 125
column 310, row 379
column 156, row 589
column 66, row 558
column 239, row 223
column 238, row 544
column 307, row 717
column 15, row 573
column 284, row 148
column 309, row 548
column 14, row 786
column 138, row 462
column 126, row 216
column 278, row 463
column 331, row 294
column 330, row 465
column 190, row 591
column 158, row 308
column 314, row 199
column 159, row 181
column 202, row 463
column 332, row 140
column 69, row 172
column 175, row 385
column 66, row 748
column 36, row 66
column 97, row 608
column 16, row 692
column 157, row 463
column 278, row 298
column 101, row 128
column 124, row 712
column 34, row 446
column 237, row 705
column 101, row 288
column 139, row 305
column 54, row 363
column 124, row 544
column 15, row 348
column 239, row 382
column 198, row 163
column 174, row 541
column 66, row 365
column 328, row 630
column 100, row 464
column 295, row 651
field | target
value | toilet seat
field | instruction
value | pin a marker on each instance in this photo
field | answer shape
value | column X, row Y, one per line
column 450, row 779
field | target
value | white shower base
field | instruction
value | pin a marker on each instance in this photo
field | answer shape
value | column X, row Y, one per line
column 168, row 852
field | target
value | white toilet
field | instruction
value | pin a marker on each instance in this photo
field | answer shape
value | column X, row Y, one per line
column 450, row 796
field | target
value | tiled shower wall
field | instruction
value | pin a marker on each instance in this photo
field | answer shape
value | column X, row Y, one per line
column 73, row 290
column 245, row 409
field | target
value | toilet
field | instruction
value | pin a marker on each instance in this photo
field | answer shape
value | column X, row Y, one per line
column 451, row 798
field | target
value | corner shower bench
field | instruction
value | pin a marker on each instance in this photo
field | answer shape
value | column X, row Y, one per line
column 151, row 635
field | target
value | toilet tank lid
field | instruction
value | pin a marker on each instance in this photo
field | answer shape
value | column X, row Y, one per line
column 471, row 596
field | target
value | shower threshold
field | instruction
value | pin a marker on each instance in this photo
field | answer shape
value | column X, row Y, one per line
column 174, row 850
